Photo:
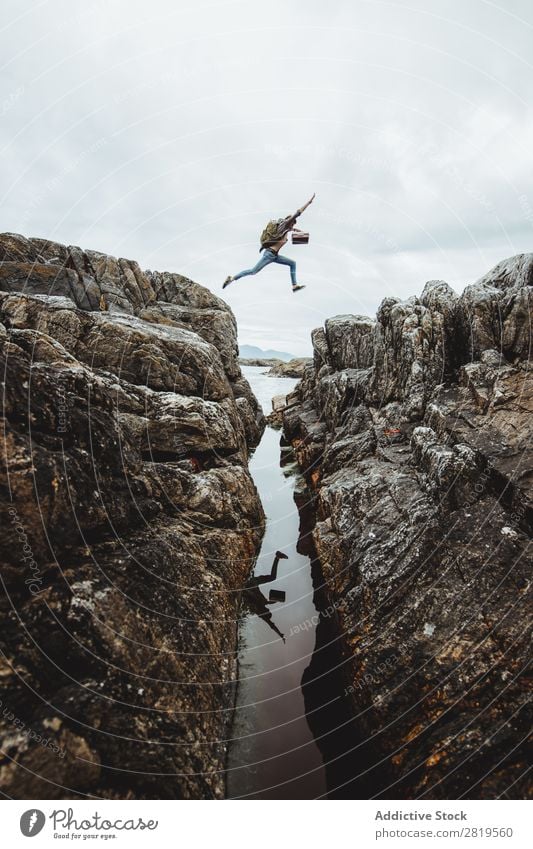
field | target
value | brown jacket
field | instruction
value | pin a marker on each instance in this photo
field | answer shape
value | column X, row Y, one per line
column 285, row 226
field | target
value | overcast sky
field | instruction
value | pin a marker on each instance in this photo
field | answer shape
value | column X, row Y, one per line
column 171, row 132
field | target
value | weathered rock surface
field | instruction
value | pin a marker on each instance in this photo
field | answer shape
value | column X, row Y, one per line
column 415, row 431
column 130, row 523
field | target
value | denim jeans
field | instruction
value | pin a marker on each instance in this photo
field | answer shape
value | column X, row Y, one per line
column 268, row 257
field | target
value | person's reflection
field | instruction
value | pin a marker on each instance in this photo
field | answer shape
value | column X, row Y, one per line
column 257, row 602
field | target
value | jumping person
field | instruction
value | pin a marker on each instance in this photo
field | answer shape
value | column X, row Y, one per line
column 273, row 238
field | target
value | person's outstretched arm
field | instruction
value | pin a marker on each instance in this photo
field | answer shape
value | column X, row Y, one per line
column 291, row 219
column 304, row 207
column 289, row 222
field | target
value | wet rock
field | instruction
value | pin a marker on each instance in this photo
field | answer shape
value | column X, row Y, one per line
column 275, row 418
column 130, row 524
column 414, row 432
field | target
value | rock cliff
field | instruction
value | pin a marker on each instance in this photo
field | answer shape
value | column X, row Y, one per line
column 130, row 523
column 414, row 430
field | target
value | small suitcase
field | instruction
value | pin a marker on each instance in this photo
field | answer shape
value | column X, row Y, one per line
column 300, row 238
column 276, row 595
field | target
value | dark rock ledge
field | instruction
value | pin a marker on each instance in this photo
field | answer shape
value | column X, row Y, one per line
column 415, row 431
column 129, row 523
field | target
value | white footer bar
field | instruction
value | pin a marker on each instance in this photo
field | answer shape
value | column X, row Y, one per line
column 260, row 825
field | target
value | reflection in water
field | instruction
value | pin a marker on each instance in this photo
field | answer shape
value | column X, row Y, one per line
column 273, row 753
column 255, row 599
column 292, row 736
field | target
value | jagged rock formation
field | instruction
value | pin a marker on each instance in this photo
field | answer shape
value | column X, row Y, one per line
column 292, row 368
column 130, row 522
column 415, row 431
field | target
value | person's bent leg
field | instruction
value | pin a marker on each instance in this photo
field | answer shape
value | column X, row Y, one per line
column 265, row 260
column 285, row 260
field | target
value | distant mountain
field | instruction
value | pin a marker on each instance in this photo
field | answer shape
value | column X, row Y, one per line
column 252, row 352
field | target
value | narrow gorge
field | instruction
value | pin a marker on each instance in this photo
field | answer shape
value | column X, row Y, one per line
column 142, row 493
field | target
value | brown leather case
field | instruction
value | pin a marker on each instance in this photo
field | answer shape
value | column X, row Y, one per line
column 300, row 238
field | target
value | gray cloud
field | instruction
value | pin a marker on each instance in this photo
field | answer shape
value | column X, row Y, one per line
column 171, row 135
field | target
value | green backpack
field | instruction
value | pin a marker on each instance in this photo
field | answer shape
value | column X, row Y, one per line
column 272, row 232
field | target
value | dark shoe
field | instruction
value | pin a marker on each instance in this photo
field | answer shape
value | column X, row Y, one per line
column 298, row 287
column 281, row 555
column 227, row 281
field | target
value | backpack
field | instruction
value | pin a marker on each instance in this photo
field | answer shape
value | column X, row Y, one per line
column 272, row 232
